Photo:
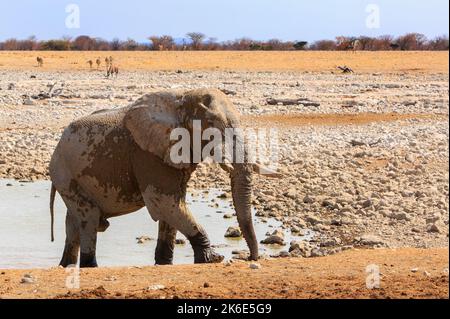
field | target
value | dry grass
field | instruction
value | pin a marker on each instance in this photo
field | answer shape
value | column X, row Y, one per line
column 293, row 120
column 387, row 62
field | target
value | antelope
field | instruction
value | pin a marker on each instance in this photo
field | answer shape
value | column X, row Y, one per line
column 99, row 62
column 40, row 61
column 112, row 70
column 90, row 63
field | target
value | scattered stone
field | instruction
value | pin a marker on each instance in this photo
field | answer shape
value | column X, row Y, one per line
column 255, row 266
column 180, row 241
column 433, row 228
column 143, row 239
column 300, row 248
column 308, row 199
column 110, row 278
column 370, row 240
column 284, row 254
column 276, row 238
column 28, row 101
column 27, row 279
column 233, row 232
column 155, row 287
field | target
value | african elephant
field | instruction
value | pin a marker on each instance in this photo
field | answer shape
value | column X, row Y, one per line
column 114, row 162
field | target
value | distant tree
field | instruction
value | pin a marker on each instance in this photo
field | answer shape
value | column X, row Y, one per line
column 27, row 44
column 155, row 41
column 10, row 44
column 323, row 45
column 197, row 39
column 365, row 43
column 439, row 43
column 103, row 45
column 165, row 42
column 255, row 46
column 411, row 41
column 300, row 45
column 129, row 45
column 273, row 44
column 84, row 43
column 115, row 44
column 211, row 44
column 383, row 43
column 239, row 44
column 55, row 45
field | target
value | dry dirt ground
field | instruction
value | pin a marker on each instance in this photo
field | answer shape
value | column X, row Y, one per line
column 228, row 60
column 404, row 273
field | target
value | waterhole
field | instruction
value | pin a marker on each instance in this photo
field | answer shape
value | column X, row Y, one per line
column 25, row 230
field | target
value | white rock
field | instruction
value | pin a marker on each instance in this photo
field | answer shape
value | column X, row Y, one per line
column 255, row 266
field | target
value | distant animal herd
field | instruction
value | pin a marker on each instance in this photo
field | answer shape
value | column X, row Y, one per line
column 111, row 68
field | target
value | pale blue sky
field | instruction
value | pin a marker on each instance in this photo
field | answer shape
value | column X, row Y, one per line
column 224, row 19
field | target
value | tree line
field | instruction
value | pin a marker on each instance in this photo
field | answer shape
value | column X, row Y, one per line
column 199, row 41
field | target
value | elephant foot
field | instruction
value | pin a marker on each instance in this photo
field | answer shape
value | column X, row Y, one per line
column 203, row 253
column 164, row 252
column 207, row 256
column 88, row 261
column 69, row 257
column 67, row 262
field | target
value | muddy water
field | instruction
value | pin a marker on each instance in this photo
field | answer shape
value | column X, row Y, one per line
column 25, row 230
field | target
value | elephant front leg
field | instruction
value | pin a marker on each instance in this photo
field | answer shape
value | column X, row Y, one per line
column 173, row 211
column 203, row 253
column 166, row 243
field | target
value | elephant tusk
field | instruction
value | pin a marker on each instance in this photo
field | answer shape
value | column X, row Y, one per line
column 262, row 170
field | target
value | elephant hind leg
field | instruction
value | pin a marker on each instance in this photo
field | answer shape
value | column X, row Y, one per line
column 166, row 243
column 87, row 216
column 72, row 245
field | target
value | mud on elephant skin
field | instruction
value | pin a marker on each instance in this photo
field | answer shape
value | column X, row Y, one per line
column 114, row 162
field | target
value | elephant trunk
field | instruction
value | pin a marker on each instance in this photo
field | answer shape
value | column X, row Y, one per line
column 241, row 188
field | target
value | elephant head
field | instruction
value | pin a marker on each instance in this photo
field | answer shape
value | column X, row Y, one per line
column 153, row 117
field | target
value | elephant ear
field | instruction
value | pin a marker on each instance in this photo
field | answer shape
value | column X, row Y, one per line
column 150, row 121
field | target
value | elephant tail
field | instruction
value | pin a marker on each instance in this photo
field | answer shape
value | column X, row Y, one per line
column 52, row 213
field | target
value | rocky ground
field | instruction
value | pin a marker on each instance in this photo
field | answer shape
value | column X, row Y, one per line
column 364, row 157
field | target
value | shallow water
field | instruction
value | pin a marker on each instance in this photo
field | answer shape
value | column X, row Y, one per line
column 25, row 230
